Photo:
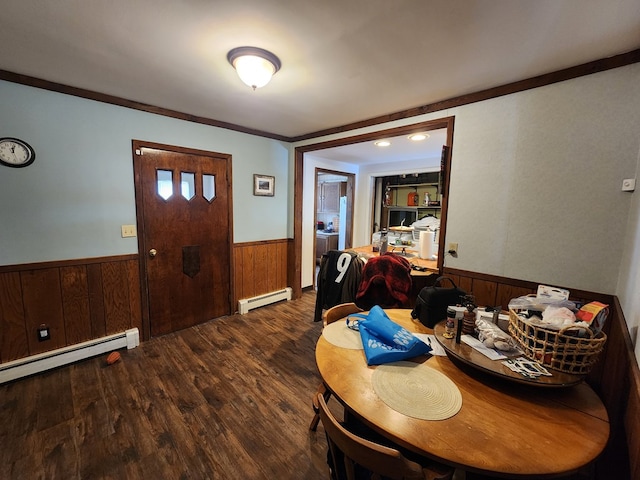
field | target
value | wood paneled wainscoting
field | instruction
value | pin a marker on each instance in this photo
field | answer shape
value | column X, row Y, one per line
column 78, row 300
column 85, row 299
column 259, row 268
column 616, row 376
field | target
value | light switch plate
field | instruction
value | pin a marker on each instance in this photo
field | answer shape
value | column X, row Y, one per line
column 128, row 231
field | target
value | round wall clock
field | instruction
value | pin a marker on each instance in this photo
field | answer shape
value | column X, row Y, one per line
column 16, row 153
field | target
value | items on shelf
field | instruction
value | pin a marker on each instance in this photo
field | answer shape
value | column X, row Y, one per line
column 413, row 199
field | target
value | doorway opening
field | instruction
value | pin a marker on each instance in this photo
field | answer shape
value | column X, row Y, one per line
column 303, row 242
column 333, row 212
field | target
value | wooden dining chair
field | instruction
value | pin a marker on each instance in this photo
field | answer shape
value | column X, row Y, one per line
column 329, row 316
column 339, row 311
column 350, row 450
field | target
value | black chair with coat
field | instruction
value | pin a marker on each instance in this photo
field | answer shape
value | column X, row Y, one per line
column 338, row 280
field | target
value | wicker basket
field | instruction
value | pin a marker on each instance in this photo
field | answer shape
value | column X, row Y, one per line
column 561, row 350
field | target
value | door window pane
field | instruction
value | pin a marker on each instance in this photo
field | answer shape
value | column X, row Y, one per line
column 165, row 183
column 209, row 187
column 188, row 184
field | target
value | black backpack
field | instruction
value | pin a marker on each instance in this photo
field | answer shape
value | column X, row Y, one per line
column 432, row 302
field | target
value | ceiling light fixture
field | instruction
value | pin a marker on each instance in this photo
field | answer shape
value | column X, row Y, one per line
column 254, row 65
column 416, row 137
column 382, row 143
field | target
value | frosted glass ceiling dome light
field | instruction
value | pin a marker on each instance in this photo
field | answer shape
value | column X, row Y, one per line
column 255, row 66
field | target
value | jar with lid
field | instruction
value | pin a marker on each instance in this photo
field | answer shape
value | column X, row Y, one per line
column 450, row 324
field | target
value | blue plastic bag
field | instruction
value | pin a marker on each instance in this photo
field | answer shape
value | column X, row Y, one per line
column 384, row 340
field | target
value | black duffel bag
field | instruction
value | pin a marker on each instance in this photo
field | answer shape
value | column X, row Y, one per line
column 432, row 302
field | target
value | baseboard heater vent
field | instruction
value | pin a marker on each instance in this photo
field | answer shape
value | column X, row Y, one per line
column 261, row 300
column 63, row 356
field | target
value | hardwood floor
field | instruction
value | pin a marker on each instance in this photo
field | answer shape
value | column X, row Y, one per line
column 229, row 399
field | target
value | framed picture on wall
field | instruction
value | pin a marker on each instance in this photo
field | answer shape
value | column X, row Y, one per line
column 264, row 185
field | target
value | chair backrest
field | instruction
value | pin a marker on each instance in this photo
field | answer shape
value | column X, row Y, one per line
column 339, row 311
column 355, row 450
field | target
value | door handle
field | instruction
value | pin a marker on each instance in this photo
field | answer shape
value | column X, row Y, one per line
column 153, row 252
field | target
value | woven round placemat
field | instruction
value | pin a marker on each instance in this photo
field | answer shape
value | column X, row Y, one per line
column 417, row 390
column 338, row 334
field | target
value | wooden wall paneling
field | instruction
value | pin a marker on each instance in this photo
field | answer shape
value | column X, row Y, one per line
column 632, row 423
column 42, row 296
column 96, row 301
column 238, row 275
column 278, row 266
column 279, row 269
column 465, row 283
column 282, row 265
column 484, row 291
column 293, row 269
column 135, row 299
column 610, row 378
column 75, row 304
column 248, row 279
column 116, row 297
column 454, row 277
column 261, row 269
column 283, row 277
column 78, row 299
column 13, row 334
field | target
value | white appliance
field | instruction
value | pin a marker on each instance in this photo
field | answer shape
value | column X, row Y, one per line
column 342, row 215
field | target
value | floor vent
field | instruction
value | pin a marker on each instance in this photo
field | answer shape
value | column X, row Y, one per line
column 261, row 300
column 63, row 356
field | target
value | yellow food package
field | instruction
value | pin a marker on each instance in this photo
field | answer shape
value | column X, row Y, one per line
column 595, row 314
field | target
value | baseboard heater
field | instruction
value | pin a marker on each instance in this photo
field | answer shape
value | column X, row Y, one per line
column 261, row 300
column 63, row 356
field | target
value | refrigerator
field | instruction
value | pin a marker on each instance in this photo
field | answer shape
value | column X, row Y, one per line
column 342, row 222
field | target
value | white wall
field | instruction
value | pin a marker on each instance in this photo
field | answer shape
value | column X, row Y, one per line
column 72, row 201
column 536, row 182
column 628, row 288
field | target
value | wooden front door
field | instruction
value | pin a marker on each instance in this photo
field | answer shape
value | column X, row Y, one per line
column 183, row 198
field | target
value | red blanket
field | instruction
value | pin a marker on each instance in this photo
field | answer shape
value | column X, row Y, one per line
column 386, row 281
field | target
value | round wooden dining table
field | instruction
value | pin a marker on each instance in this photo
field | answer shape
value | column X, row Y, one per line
column 503, row 429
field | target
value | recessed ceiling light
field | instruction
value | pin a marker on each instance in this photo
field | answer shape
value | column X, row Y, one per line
column 416, row 137
column 382, row 143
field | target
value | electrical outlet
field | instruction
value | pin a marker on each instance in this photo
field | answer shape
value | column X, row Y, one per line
column 128, row 231
column 453, row 249
column 43, row 333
